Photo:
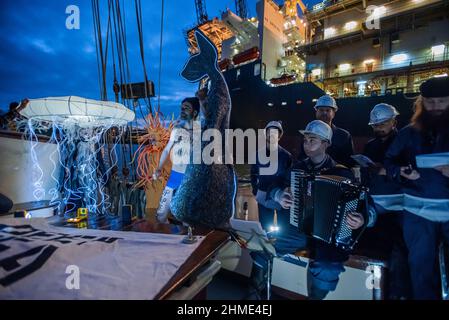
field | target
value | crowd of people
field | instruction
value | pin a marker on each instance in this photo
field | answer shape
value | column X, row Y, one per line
column 409, row 234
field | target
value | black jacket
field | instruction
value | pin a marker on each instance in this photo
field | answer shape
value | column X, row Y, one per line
column 376, row 150
column 409, row 143
column 262, row 182
column 342, row 147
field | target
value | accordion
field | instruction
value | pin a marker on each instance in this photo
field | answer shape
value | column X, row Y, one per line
column 321, row 205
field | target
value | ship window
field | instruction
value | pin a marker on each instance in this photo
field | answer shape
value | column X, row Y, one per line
column 257, row 69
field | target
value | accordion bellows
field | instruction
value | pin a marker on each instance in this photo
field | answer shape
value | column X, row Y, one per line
column 321, row 205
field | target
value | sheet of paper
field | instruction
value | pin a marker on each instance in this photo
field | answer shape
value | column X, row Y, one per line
column 432, row 160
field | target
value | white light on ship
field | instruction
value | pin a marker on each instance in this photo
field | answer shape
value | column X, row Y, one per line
column 270, row 104
column 440, row 75
column 329, row 32
column 399, row 58
column 438, row 50
column 284, row 104
column 368, row 61
column 316, row 72
column 351, row 25
column 344, row 67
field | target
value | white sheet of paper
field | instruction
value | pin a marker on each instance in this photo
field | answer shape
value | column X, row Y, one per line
column 432, row 160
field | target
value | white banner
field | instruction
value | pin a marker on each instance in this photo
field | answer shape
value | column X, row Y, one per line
column 39, row 261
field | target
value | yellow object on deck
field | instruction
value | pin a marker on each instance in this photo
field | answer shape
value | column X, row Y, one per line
column 81, row 214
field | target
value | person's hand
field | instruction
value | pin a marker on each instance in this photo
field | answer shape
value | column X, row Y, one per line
column 413, row 175
column 444, row 170
column 355, row 220
column 285, row 199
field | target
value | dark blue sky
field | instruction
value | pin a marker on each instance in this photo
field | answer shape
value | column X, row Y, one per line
column 39, row 57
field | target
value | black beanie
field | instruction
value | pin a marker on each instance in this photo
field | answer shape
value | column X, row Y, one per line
column 435, row 87
column 194, row 102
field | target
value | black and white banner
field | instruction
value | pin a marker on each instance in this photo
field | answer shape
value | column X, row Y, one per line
column 40, row 261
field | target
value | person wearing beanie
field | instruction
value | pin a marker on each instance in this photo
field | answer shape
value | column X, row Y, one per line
column 425, row 188
column 178, row 149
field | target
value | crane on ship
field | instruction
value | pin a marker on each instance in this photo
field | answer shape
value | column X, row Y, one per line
column 291, row 7
column 241, row 8
column 201, row 12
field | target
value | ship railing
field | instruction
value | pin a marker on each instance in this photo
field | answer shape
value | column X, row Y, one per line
column 430, row 58
column 390, row 10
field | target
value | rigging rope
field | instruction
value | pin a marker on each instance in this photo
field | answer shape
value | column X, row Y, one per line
column 160, row 58
column 142, row 51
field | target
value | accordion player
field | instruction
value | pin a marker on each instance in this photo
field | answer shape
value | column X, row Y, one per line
column 321, row 204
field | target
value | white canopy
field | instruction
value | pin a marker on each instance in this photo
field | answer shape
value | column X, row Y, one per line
column 83, row 112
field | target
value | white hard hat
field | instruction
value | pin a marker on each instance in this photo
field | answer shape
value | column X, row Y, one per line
column 382, row 112
column 275, row 124
column 326, row 101
column 320, row 129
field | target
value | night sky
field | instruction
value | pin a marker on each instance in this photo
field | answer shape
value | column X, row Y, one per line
column 40, row 57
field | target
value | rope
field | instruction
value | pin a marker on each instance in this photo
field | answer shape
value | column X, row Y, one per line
column 142, row 50
column 94, row 17
column 160, row 59
column 100, row 51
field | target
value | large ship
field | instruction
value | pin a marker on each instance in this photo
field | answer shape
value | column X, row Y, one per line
column 362, row 52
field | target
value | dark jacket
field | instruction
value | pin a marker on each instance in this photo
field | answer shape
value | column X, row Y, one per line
column 376, row 150
column 409, row 143
column 263, row 182
column 342, row 147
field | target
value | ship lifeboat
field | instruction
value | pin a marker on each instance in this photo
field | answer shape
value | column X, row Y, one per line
column 225, row 64
column 284, row 79
column 248, row 55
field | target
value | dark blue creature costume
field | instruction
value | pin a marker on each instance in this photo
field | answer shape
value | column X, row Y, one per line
column 207, row 192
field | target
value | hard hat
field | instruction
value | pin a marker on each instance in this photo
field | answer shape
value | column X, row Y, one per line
column 326, row 101
column 382, row 112
column 276, row 125
column 320, row 129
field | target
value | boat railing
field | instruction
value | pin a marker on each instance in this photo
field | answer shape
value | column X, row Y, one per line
column 388, row 64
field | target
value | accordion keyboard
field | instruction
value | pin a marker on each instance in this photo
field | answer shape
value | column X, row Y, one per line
column 321, row 205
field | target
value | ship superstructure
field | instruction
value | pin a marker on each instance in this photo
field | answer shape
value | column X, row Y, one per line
column 362, row 52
